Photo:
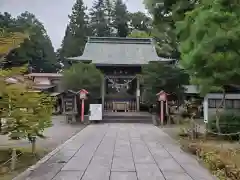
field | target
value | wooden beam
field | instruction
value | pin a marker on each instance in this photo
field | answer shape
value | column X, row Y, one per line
column 120, row 76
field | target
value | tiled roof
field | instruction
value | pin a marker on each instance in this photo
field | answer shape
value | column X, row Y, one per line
column 112, row 50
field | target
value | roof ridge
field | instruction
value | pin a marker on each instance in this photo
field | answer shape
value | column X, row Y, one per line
column 120, row 40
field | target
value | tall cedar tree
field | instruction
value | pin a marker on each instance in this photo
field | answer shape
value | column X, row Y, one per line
column 120, row 18
column 76, row 32
column 99, row 19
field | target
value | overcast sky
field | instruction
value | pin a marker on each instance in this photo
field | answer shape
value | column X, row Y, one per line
column 54, row 13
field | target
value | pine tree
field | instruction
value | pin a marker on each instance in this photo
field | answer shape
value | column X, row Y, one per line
column 6, row 21
column 100, row 19
column 37, row 51
column 76, row 32
column 120, row 18
column 140, row 21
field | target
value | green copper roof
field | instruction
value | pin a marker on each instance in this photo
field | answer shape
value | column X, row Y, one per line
column 114, row 50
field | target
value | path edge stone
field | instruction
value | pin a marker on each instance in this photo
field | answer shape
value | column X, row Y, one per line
column 30, row 169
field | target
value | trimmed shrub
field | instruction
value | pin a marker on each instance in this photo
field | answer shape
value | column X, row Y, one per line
column 229, row 122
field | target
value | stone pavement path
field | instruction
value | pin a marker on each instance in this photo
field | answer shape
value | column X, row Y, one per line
column 120, row 152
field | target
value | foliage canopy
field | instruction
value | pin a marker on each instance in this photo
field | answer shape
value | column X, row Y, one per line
column 209, row 40
column 37, row 50
column 26, row 113
column 83, row 76
column 157, row 77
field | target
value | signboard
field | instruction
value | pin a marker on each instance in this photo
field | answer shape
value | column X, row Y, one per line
column 69, row 103
column 162, row 96
column 95, row 112
column 83, row 94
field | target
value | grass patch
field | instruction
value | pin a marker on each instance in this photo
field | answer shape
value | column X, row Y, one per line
column 223, row 163
column 24, row 160
column 221, row 157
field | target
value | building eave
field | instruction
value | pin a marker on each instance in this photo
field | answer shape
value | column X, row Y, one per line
column 82, row 59
column 50, row 75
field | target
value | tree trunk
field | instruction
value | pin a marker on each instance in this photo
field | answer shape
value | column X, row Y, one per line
column 193, row 128
column 222, row 103
column 14, row 159
column 34, row 145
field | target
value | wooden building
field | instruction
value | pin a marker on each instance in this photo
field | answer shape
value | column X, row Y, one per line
column 46, row 82
column 120, row 60
column 213, row 100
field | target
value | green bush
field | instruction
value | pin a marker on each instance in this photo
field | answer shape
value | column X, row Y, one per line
column 229, row 122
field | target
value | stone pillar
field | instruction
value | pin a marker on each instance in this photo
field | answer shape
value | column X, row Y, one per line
column 103, row 93
column 138, row 95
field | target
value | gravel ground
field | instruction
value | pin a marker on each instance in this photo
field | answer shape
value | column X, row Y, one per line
column 56, row 135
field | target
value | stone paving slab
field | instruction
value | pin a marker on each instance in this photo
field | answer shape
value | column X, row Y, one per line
column 123, row 176
column 65, row 175
column 177, row 176
column 169, row 165
column 96, row 174
column 149, row 172
column 123, row 164
column 120, row 152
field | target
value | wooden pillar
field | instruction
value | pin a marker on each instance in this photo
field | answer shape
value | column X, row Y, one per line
column 75, row 103
column 103, row 93
column 138, row 95
column 63, row 104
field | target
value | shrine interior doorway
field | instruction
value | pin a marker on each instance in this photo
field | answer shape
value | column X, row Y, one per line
column 121, row 94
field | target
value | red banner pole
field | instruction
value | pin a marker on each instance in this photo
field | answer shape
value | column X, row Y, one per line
column 162, row 115
column 82, row 113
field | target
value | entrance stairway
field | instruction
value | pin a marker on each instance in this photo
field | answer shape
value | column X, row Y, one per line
column 127, row 117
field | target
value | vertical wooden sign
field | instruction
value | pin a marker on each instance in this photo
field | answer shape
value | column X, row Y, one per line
column 83, row 95
column 162, row 97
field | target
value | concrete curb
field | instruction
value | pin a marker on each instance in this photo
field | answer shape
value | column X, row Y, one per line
column 29, row 170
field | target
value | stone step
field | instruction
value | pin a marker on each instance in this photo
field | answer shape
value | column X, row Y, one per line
column 127, row 117
column 143, row 121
